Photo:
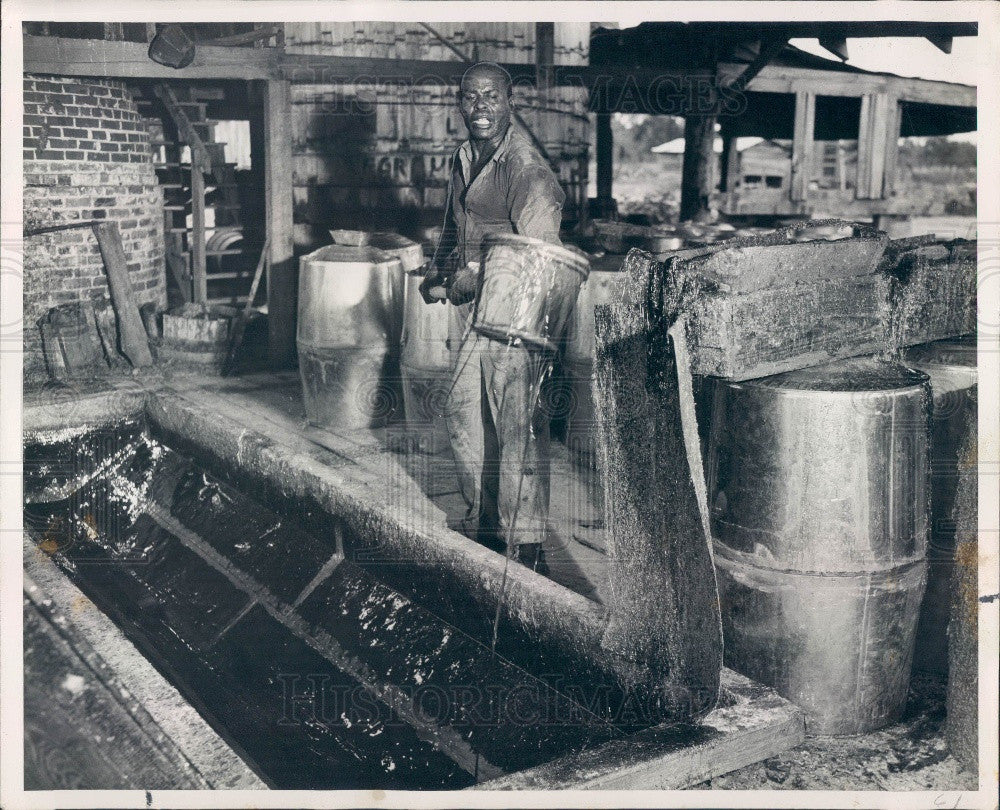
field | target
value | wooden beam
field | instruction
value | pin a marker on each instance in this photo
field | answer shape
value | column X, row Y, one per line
column 263, row 32
column 88, row 57
column 754, row 724
column 278, row 169
column 605, row 162
column 765, row 54
column 782, row 79
column 198, row 267
column 199, row 154
column 802, row 145
column 130, row 60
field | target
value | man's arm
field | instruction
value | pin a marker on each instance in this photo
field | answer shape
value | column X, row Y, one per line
column 449, row 234
column 536, row 201
column 434, row 287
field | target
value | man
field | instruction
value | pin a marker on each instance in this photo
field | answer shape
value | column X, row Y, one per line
column 499, row 184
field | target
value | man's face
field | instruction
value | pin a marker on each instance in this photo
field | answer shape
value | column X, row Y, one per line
column 485, row 105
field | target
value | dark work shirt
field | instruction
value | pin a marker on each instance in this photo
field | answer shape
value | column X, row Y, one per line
column 515, row 192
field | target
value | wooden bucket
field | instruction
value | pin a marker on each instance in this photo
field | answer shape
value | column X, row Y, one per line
column 196, row 335
column 527, row 290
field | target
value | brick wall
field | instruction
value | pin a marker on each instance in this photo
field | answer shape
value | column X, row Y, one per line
column 86, row 156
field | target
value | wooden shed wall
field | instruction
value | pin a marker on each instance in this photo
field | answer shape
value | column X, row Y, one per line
column 375, row 155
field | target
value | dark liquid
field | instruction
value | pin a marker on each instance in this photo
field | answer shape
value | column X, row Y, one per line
column 318, row 673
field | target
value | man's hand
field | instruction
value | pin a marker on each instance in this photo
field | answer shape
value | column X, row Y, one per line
column 464, row 285
column 434, row 288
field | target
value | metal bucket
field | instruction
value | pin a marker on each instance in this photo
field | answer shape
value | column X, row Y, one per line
column 951, row 366
column 819, row 508
column 425, row 362
column 527, row 289
column 349, row 323
column 581, row 427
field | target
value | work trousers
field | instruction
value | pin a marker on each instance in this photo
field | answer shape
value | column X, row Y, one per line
column 499, row 433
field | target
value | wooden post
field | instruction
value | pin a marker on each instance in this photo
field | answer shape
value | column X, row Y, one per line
column 281, row 280
column 878, row 135
column 133, row 338
column 545, row 44
column 583, row 202
column 803, row 144
column 841, row 167
column 697, row 172
column 730, row 165
column 605, row 163
column 894, row 123
column 198, row 234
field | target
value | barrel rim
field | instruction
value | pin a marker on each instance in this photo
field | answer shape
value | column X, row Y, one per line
column 944, row 353
column 911, row 378
column 576, row 262
column 726, row 555
column 368, row 257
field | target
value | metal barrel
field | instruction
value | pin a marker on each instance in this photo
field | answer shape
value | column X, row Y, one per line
column 581, row 427
column 425, row 361
column 951, row 366
column 527, row 290
column 349, row 323
column 819, row 510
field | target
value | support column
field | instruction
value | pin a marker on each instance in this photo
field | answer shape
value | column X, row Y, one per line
column 894, row 124
column 198, row 267
column 730, row 164
column 281, row 280
column 803, row 141
column 878, row 137
column 605, row 163
column 697, row 172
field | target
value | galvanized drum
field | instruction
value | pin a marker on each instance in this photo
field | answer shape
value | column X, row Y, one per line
column 951, row 366
column 426, row 366
column 527, row 289
column 819, row 508
column 349, row 324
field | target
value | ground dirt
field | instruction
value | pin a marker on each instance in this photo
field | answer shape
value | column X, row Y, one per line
column 910, row 755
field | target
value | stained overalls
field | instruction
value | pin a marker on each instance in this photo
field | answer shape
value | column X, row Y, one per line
column 493, row 422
